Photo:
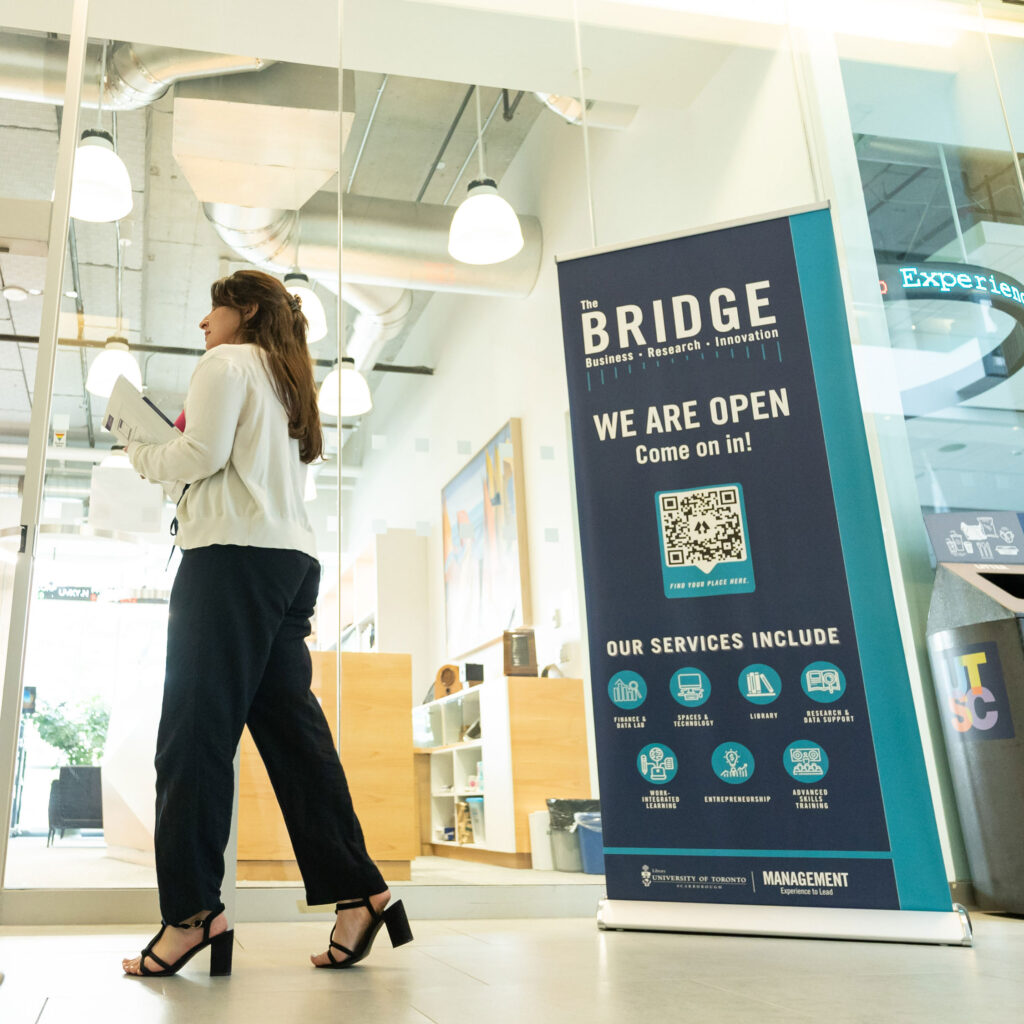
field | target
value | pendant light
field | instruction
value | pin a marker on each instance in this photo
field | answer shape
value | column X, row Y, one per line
column 485, row 228
column 355, row 392
column 114, row 361
column 101, row 190
column 301, row 287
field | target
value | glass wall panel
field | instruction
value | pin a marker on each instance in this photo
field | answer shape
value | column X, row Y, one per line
column 30, row 125
column 940, row 186
column 219, row 151
column 1006, row 37
column 682, row 107
column 455, row 498
column 936, row 365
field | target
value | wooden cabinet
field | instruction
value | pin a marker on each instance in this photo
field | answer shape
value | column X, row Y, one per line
column 509, row 743
column 376, row 751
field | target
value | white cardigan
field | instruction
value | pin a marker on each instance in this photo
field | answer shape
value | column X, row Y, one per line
column 247, row 480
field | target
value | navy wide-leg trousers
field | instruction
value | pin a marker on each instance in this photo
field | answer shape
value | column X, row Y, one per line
column 236, row 656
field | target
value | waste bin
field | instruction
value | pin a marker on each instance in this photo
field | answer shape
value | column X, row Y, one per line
column 588, row 827
column 540, row 841
column 977, row 659
column 565, row 843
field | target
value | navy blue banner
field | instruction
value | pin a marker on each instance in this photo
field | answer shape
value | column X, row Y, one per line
column 721, row 473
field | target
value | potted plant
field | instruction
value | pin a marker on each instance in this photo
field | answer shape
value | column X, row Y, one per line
column 79, row 732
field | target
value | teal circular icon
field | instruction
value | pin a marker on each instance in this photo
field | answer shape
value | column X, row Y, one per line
column 627, row 690
column 806, row 761
column 657, row 763
column 690, row 687
column 760, row 684
column 732, row 763
column 823, row 682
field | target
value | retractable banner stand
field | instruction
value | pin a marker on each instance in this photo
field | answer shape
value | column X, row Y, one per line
column 760, row 765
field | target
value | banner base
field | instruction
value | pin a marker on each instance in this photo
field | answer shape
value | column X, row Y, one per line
column 951, row 928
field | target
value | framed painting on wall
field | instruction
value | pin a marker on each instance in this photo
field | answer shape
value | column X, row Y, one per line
column 486, row 582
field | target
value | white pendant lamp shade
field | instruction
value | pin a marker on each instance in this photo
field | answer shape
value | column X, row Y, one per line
column 298, row 284
column 485, row 228
column 114, row 361
column 328, row 397
column 101, row 190
column 355, row 392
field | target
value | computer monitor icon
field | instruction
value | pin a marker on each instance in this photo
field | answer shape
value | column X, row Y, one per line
column 689, row 686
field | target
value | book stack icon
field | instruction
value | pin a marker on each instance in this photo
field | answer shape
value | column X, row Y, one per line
column 759, row 685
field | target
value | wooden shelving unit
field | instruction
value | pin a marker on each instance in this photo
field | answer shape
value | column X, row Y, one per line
column 531, row 745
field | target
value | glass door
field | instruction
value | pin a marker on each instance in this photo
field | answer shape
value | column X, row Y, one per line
column 191, row 163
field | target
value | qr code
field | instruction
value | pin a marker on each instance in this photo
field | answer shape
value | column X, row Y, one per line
column 702, row 527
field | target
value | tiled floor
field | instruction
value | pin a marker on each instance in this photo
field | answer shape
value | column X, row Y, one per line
column 542, row 972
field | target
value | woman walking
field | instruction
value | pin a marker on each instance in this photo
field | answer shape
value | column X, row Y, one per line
column 236, row 653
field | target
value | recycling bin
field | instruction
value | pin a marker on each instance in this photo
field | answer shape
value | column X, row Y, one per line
column 565, row 842
column 976, row 649
column 588, row 827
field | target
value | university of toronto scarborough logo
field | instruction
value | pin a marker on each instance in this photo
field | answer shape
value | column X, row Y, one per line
column 977, row 700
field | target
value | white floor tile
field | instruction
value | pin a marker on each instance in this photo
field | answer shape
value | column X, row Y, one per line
column 539, row 972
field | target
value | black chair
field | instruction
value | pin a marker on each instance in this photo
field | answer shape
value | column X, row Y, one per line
column 75, row 800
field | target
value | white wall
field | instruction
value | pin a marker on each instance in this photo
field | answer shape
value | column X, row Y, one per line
column 736, row 151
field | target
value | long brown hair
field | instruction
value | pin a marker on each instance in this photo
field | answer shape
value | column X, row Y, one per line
column 278, row 327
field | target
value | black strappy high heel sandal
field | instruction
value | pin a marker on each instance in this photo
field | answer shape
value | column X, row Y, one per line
column 221, row 947
column 393, row 916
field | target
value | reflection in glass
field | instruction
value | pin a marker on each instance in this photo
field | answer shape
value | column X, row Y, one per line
column 947, row 223
column 942, row 191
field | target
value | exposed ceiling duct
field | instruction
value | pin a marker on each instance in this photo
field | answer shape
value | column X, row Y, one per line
column 390, row 241
column 263, row 237
column 33, row 68
column 260, row 189
column 387, row 242
column 382, row 315
column 390, row 246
